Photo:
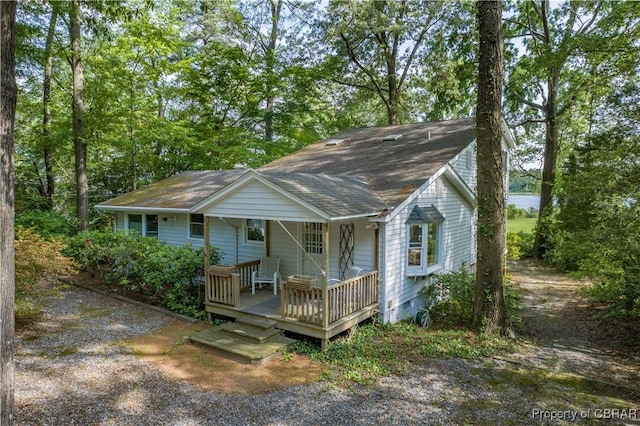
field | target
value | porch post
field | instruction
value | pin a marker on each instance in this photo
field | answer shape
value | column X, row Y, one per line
column 325, row 287
column 267, row 237
column 206, row 247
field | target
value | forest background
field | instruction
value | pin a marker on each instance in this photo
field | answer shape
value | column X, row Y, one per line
column 115, row 95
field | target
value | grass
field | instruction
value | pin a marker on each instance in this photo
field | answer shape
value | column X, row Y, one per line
column 376, row 350
column 525, row 224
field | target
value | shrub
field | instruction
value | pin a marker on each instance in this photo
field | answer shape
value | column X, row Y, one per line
column 451, row 299
column 148, row 266
column 37, row 259
column 519, row 245
column 48, row 223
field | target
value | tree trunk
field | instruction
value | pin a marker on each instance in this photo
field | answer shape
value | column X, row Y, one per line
column 551, row 146
column 392, row 86
column 270, row 60
column 46, row 112
column 8, row 94
column 79, row 144
column 489, row 306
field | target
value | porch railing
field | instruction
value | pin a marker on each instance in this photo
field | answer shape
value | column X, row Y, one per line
column 324, row 306
column 245, row 270
column 223, row 286
column 225, row 282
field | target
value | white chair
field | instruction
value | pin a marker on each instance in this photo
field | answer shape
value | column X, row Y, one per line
column 268, row 273
column 352, row 272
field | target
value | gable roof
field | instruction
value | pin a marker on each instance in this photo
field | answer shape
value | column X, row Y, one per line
column 176, row 193
column 330, row 197
column 393, row 168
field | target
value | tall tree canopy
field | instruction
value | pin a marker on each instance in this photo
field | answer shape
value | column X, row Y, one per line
column 401, row 51
column 569, row 50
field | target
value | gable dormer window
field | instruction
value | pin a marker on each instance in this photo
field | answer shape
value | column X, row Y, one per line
column 424, row 241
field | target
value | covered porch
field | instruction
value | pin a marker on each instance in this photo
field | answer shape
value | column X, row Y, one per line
column 302, row 306
column 317, row 227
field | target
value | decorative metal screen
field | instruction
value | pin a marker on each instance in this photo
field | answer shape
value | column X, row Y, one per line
column 346, row 248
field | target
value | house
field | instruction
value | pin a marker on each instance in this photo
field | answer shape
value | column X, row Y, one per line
column 396, row 201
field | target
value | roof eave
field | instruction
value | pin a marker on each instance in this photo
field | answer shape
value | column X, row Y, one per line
column 134, row 209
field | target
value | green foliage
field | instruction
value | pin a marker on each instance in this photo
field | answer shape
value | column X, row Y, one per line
column 48, row 223
column 37, row 259
column 145, row 265
column 451, row 299
column 519, row 244
column 597, row 227
column 375, row 350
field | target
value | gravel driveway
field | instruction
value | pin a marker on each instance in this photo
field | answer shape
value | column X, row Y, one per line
column 73, row 369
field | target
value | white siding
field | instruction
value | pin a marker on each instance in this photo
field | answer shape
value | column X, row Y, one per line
column 364, row 247
column 257, row 200
column 290, row 254
column 119, row 225
column 399, row 297
column 465, row 165
column 284, row 247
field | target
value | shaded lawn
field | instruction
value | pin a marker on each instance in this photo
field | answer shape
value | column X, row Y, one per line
column 524, row 224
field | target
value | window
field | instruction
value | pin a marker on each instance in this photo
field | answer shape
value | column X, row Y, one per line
column 196, row 226
column 254, row 231
column 424, row 228
column 135, row 223
column 146, row 225
column 152, row 226
column 312, row 237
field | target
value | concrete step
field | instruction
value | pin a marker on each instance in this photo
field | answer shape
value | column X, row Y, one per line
column 251, row 332
column 256, row 322
column 236, row 346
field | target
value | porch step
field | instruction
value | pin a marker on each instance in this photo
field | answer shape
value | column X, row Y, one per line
column 250, row 332
column 244, row 342
column 256, row 322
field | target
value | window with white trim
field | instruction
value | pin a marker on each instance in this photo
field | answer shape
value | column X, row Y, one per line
column 254, row 231
column 196, row 226
column 424, row 240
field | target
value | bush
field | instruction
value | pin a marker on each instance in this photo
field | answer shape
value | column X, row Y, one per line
column 146, row 265
column 451, row 299
column 37, row 259
column 49, row 224
column 519, row 245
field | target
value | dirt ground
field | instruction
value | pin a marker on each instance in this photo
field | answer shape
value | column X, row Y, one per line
column 169, row 350
column 559, row 335
column 562, row 335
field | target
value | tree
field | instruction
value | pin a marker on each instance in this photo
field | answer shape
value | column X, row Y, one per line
column 550, row 78
column 489, row 304
column 8, row 94
column 396, row 50
column 48, row 190
column 79, row 142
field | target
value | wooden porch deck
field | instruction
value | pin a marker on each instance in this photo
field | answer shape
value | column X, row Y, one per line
column 316, row 312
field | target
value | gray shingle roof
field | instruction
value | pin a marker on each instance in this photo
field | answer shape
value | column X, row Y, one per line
column 181, row 191
column 394, row 169
column 364, row 174
column 338, row 196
